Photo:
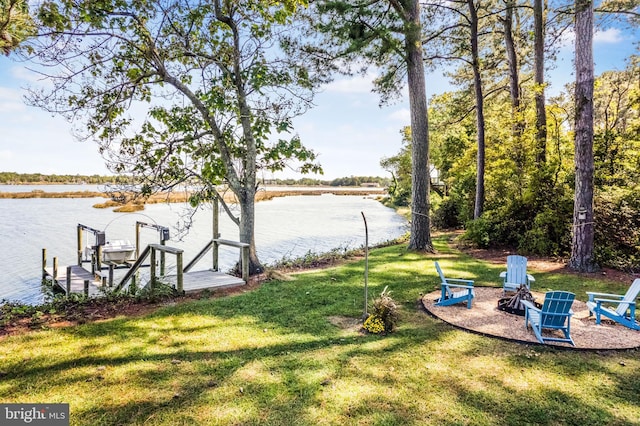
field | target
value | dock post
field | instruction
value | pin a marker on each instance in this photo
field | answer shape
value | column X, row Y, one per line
column 110, row 274
column 153, row 268
column 162, row 259
column 86, row 288
column 44, row 263
column 99, row 259
column 55, row 268
column 68, row 280
column 79, row 246
column 180, row 278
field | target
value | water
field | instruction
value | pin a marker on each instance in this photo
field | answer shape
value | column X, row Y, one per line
column 286, row 227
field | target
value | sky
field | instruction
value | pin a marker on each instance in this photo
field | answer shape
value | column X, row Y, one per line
column 347, row 128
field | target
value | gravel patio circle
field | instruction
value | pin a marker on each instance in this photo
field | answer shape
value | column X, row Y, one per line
column 485, row 318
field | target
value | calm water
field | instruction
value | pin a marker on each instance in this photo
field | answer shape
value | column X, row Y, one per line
column 286, row 227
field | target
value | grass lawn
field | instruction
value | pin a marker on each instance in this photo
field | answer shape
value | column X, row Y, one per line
column 273, row 356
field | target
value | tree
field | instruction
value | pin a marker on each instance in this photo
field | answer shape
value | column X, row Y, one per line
column 216, row 78
column 400, row 168
column 582, row 246
column 15, row 24
column 388, row 34
column 539, row 88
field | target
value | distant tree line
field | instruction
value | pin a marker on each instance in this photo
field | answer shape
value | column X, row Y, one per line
column 343, row 181
column 39, row 178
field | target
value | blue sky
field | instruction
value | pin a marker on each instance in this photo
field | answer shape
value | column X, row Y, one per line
column 347, row 128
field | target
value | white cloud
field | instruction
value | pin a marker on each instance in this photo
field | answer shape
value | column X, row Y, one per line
column 355, row 85
column 402, row 115
column 10, row 100
column 610, row 36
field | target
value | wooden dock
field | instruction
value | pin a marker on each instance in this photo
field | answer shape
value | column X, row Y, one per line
column 195, row 281
column 76, row 280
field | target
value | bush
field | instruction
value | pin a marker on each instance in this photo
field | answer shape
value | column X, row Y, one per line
column 478, row 232
column 617, row 230
column 447, row 214
column 549, row 236
column 383, row 316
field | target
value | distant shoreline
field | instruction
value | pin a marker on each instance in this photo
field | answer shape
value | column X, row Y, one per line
column 130, row 203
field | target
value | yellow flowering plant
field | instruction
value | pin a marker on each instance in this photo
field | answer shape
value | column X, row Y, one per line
column 384, row 314
column 374, row 324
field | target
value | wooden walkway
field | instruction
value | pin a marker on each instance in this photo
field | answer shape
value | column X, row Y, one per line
column 192, row 281
column 205, row 280
column 78, row 276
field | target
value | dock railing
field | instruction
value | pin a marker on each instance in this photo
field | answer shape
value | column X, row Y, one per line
column 152, row 249
column 214, row 245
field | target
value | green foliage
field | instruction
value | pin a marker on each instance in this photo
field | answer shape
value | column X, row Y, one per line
column 617, row 230
column 447, row 214
column 16, row 25
column 549, row 235
column 478, row 232
column 400, row 168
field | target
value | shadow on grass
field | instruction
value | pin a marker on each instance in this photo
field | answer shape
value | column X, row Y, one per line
column 270, row 356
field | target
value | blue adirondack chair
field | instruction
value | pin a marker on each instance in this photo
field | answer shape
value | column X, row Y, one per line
column 454, row 290
column 555, row 314
column 516, row 274
column 624, row 314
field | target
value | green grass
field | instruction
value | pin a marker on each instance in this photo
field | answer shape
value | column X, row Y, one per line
column 272, row 357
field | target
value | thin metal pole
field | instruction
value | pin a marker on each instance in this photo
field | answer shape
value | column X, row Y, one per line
column 366, row 265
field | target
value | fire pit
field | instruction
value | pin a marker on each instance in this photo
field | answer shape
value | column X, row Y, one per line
column 513, row 305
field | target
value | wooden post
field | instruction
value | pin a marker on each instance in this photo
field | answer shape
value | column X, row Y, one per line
column 79, row 246
column 216, row 233
column 44, row 263
column 68, row 280
column 99, row 259
column 137, row 240
column 86, row 287
column 180, row 278
column 162, row 258
column 152, row 268
column 111, row 274
column 55, row 268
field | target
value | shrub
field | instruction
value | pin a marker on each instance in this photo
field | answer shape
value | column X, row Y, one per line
column 447, row 214
column 384, row 314
column 478, row 231
column 617, row 230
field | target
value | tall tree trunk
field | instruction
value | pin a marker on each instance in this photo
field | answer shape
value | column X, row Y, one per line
column 477, row 85
column 247, row 227
column 420, row 176
column 518, row 125
column 514, row 81
column 582, row 246
column 541, row 114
